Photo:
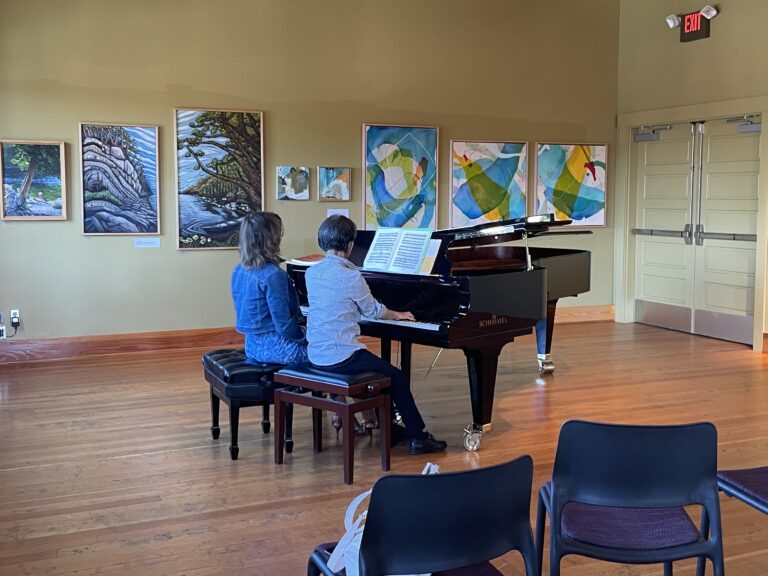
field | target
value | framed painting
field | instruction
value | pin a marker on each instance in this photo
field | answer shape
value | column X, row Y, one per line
column 400, row 176
column 488, row 181
column 33, row 178
column 119, row 179
column 219, row 175
column 571, row 182
column 333, row 184
column 292, row 183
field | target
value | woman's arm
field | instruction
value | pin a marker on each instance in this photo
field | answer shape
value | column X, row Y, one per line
column 278, row 294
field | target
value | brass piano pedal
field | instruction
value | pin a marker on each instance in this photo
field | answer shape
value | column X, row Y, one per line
column 546, row 365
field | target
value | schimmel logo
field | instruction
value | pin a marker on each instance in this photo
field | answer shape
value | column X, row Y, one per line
column 492, row 321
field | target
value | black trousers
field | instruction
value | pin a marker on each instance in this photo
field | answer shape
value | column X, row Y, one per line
column 365, row 361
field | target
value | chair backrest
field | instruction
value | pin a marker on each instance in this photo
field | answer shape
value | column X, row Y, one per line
column 420, row 524
column 635, row 466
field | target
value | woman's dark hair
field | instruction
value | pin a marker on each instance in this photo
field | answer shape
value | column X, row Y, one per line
column 260, row 234
column 336, row 232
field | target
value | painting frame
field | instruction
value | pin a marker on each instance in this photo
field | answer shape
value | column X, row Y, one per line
column 556, row 167
column 5, row 181
column 327, row 179
column 252, row 193
column 285, row 178
column 487, row 166
column 115, row 146
column 380, row 206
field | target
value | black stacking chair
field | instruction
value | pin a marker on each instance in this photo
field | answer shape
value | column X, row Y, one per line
column 617, row 494
column 445, row 523
column 749, row 485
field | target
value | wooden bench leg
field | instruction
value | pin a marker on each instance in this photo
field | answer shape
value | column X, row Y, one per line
column 385, row 438
column 348, row 429
column 234, row 420
column 289, row 428
column 215, row 430
column 317, row 426
column 279, row 427
column 265, row 425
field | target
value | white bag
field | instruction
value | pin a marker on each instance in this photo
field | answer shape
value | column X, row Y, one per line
column 345, row 555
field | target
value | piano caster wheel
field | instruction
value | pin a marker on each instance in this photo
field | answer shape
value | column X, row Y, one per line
column 546, row 367
column 289, row 446
column 472, row 439
column 233, row 452
column 265, row 425
column 215, row 430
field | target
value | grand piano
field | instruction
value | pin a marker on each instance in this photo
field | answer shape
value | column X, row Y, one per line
column 480, row 295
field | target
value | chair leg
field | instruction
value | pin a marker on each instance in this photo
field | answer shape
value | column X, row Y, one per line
column 718, row 565
column 667, row 568
column 317, row 429
column 279, row 427
column 265, row 425
column 701, row 561
column 385, row 438
column 541, row 518
column 528, row 552
column 349, row 442
column 215, row 430
column 234, row 420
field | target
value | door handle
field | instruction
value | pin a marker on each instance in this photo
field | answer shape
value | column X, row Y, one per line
column 685, row 233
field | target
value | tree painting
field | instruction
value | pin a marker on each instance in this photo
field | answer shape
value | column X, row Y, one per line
column 219, row 175
column 33, row 182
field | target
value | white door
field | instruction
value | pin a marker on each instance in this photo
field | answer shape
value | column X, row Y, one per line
column 696, row 228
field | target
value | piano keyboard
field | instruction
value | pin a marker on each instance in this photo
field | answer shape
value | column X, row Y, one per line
column 399, row 323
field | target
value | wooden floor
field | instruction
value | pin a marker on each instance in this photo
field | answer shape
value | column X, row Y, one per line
column 107, row 466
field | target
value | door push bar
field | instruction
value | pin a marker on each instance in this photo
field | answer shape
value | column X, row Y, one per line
column 685, row 233
column 700, row 236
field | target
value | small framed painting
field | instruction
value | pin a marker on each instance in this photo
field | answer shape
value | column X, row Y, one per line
column 119, row 177
column 33, row 180
column 400, row 176
column 571, row 182
column 488, row 181
column 333, row 184
column 292, row 183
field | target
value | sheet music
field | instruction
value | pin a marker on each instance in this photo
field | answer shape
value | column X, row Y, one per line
column 398, row 250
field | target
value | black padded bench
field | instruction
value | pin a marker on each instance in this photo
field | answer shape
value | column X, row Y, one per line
column 241, row 383
column 365, row 390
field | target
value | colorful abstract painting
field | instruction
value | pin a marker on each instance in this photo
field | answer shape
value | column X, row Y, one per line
column 219, row 175
column 119, row 178
column 488, row 181
column 400, row 164
column 33, row 181
column 333, row 184
column 292, row 183
column 570, row 182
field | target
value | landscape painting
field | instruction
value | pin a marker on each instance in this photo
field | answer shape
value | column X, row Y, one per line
column 333, row 184
column 119, row 179
column 400, row 166
column 488, row 181
column 33, row 180
column 570, row 182
column 292, row 183
column 219, row 175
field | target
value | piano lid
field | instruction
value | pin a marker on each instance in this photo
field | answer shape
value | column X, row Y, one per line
column 498, row 232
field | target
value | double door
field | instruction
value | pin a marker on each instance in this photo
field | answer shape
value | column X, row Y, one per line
column 696, row 224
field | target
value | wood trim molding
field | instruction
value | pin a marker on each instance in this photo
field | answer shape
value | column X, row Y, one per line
column 84, row 346
column 765, row 343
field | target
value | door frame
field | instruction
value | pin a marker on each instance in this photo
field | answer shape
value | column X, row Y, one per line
column 624, row 205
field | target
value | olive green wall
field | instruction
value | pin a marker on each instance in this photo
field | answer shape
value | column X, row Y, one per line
column 491, row 69
column 657, row 71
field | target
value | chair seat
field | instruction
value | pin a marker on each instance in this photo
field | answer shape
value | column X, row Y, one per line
column 309, row 371
column 751, row 481
column 323, row 551
column 628, row 528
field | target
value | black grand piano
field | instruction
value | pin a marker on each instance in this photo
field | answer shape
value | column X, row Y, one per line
column 479, row 296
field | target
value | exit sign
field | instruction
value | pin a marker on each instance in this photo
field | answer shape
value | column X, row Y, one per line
column 693, row 26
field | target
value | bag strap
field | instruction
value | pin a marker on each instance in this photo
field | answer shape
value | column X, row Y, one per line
column 349, row 517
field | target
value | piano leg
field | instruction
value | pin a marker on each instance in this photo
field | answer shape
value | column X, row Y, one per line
column 481, row 366
column 386, row 350
column 544, row 329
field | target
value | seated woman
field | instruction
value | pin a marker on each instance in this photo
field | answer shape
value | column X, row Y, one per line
column 266, row 305
column 338, row 297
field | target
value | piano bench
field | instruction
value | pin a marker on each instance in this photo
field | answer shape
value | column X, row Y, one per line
column 365, row 391
column 240, row 383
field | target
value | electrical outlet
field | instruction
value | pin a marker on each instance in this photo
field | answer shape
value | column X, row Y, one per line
column 15, row 314
column 2, row 332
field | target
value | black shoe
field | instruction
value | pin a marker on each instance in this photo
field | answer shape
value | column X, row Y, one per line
column 426, row 445
column 397, row 434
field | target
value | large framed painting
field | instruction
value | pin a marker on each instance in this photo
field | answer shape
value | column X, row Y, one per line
column 571, row 182
column 292, row 183
column 400, row 176
column 33, row 180
column 119, row 178
column 488, row 181
column 333, row 184
column 219, row 175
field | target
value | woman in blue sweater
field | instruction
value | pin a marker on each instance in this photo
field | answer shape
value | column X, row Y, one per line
column 266, row 306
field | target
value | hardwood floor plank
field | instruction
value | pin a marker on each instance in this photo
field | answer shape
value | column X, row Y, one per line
column 107, row 465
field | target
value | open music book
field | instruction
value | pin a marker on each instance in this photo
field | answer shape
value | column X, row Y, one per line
column 402, row 250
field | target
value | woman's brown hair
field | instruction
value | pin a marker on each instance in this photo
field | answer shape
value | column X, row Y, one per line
column 260, row 235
